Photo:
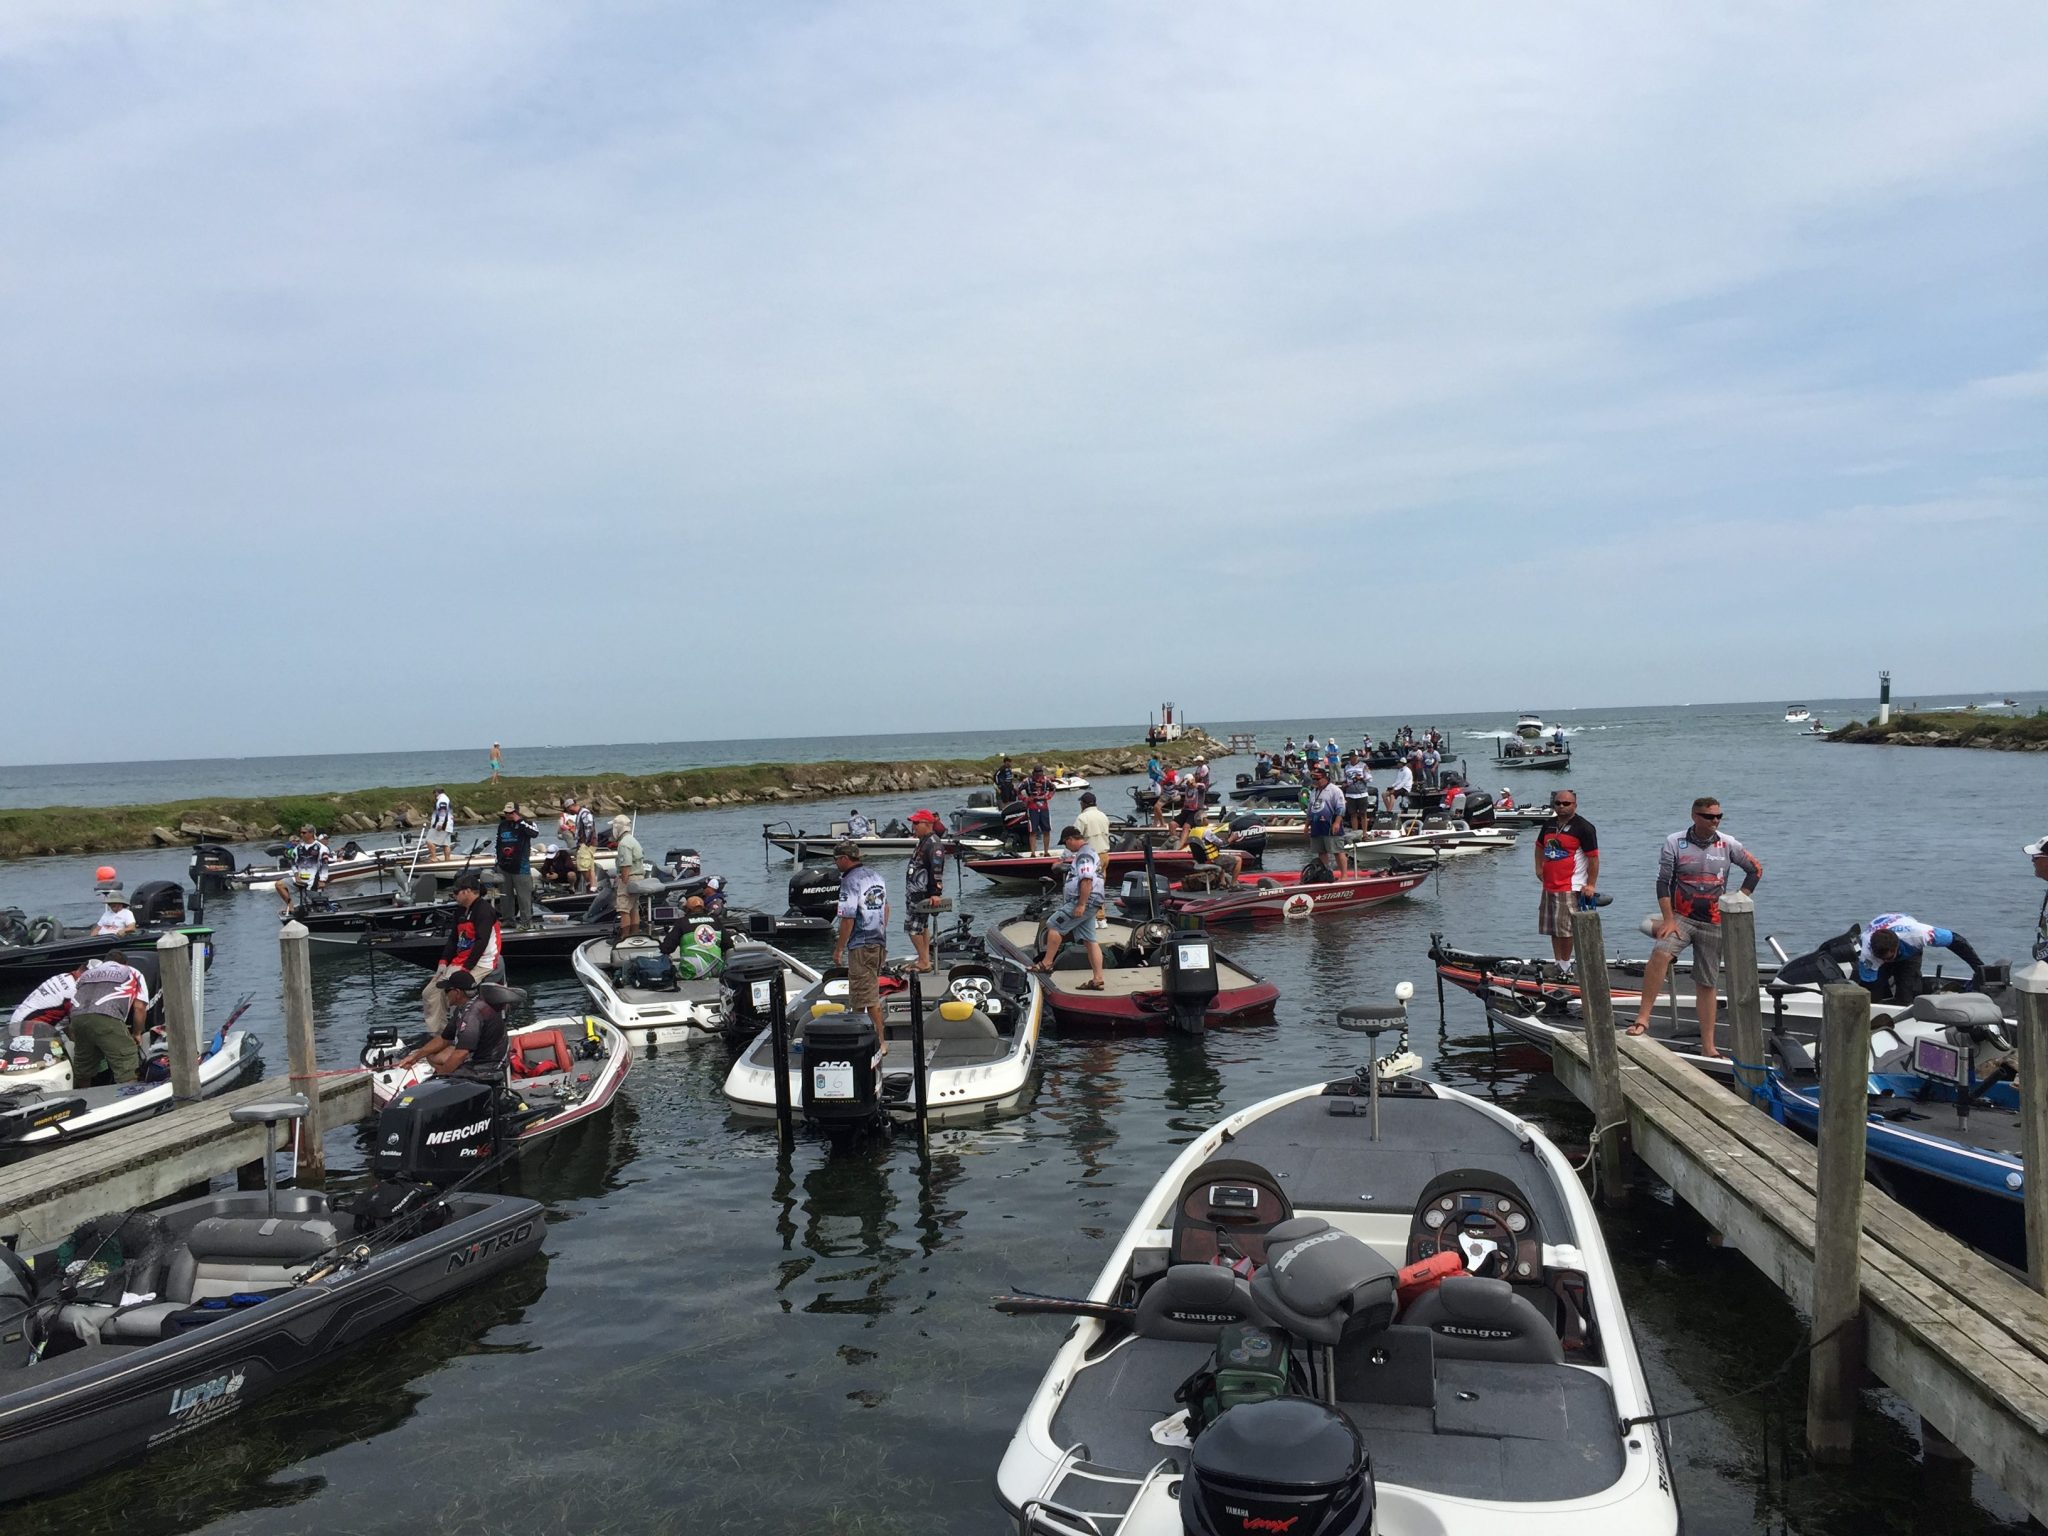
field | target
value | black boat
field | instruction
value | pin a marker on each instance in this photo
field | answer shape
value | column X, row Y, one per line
column 352, row 924
column 33, row 949
column 242, row 1293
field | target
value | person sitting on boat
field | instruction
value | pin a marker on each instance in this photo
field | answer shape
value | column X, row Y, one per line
column 1037, row 793
column 439, row 836
column 1395, row 796
column 306, row 864
column 713, row 894
column 1888, row 957
column 858, row 825
column 1209, row 846
column 1080, row 901
column 693, row 942
column 117, row 918
column 108, row 1011
column 1262, row 770
column 1506, row 802
column 471, row 1041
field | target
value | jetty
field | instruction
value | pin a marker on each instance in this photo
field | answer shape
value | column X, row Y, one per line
column 1958, row 1337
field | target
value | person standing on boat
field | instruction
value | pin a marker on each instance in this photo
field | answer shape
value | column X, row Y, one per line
column 117, row 918
column 1006, row 782
column 1358, row 793
column 579, row 835
column 863, row 933
column 1326, row 822
column 2038, row 852
column 440, row 834
column 1080, row 900
column 471, row 1039
column 107, row 1016
column 1037, row 792
column 1888, row 956
column 306, row 862
column 1692, row 877
column 632, row 865
column 514, row 845
column 1567, row 872
column 923, row 882
column 474, row 946
column 1431, row 764
column 1093, row 823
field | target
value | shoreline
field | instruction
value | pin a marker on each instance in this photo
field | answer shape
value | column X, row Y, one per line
column 1951, row 728
column 41, row 831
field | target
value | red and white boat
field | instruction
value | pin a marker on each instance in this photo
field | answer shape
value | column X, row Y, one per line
column 557, row 1072
column 1030, row 868
column 1281, row 894
column 1133, row 995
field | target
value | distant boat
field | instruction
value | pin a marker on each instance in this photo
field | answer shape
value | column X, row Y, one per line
column 1797, row 714
column 2012, row 703
column 1529, row 727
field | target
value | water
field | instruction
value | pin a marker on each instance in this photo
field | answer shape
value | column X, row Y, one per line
column 721, row 1338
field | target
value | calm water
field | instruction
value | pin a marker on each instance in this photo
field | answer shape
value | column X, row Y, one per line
column 722, row 1338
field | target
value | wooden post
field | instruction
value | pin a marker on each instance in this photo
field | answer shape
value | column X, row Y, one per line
column 1835, row 1369
column 296, row 954
column 1745, row 999
column 1610, row 1120
column 174, row 986
column 2030, row 984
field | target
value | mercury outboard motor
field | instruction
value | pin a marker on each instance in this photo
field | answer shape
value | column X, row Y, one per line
column 211, row 865
column 1285, row 1464
column 1188, row 978
column 436, row 1132
column 842, row 1078
column 1478, row 808
column 814, row 891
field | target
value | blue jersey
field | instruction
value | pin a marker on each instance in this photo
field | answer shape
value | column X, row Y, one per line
column 1913, row 935
column 864, row 897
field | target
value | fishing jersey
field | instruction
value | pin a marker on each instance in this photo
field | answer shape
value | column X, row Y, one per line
column 697, row 952
column 926, row 876
column 1006, row 785
column 1696, row 878
column 1914, row 937
column 864, row 897
column 514, row 842
column 858, row 825
column 478, row 1029
column 1192, row 795
column 48, row 1003
column 577, row 828
column 1562, row 846
column 308, row 863
column 109, row 987
column 2041, row 932
column 473, row 943
column 1038, row 792
column 1085, row 866
column 1325, row 810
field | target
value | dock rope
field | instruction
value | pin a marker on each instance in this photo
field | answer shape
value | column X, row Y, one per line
column 1593, row 1146
column 1790, row 1360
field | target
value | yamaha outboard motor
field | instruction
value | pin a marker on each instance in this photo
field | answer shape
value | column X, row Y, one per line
column 158, row 904
column 1187, row 977
column 842, row 1077
column 211, row 865
column 814, row 891
column 1284, row 1464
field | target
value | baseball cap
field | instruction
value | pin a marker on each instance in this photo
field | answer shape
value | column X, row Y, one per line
column 1067, row 832
column 2038, row 849
column 847, row 850
column 470, row 881
column 511, row 808
column 457, row 981
column 930, row 816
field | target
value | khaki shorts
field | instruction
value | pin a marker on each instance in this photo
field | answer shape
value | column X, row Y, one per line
column 864, row 976
column 622, row 898
column 1705, row 939
column 586, row 859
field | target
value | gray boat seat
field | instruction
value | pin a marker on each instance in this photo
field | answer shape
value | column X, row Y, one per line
column 1479, row 1319
column 955, row 1020
column 1194, row 1301
column 269, row 1111
column 221, row 1256
column 1974, row 1014
column 1322, row 1284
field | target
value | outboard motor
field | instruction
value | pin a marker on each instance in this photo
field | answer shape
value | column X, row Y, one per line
column 1285, row 1464
column 1187, row 972
column 1134, row 902
column 158, row 904
column 1478, row 808
column 436, row 1132
column 814, row 891
column 842, row 1078
column 745, row 987
column 1145, row 798
column 210, row 867
column 981, row 799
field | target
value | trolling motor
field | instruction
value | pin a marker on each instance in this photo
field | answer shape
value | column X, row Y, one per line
column 1188, row 978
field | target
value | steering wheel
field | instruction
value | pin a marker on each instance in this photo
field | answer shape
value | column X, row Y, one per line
column 1486, row 1239
column 972, row 990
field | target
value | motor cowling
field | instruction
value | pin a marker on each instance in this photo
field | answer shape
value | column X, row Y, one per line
column 1478, row 808
column 842, row 1082
column 210, row 867
column 1189, row 978
column 814, row 891
column 746, row 985
column 1286, row 1464
column 437, row 1131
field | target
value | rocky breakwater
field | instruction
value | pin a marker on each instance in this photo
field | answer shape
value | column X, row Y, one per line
column 1952, row 728
column 108, row 829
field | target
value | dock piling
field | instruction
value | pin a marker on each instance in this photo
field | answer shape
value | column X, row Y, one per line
column 1610, row 1127
column 1835, row 1370
column 181, row 1025
column 2030, row 985
column 1745, row 1008
column 295, row 948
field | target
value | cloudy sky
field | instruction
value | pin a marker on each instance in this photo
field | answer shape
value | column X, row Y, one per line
column 404, row 376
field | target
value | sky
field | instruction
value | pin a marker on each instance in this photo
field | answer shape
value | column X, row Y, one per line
column 380, row 376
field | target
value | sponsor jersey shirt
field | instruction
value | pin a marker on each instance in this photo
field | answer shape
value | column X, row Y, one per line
column 109, row 987
column 926, row 876
column 473, row 942
column 53, row 998
column 1563, row 846
column 864, row 897
column 1085, row 866
column 1695, row 876
column 515, row 846
column 1914, row 937
column 308, row 862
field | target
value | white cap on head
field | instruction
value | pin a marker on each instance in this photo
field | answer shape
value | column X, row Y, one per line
column 621, row 822
column 2037, row 849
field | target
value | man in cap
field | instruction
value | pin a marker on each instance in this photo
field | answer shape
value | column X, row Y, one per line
column 1037, row 793
column 1326, row 821
column 513, row 845
column 924, row 882
column 863, row 933
column 473, row 946
column 632, row 866
column 107, row 1015
column 2038, row 852
column 579, row 835
column 1093, row 823
column 471, row 1040
column 305, row 863
column 1080, row 900
column 117, row 918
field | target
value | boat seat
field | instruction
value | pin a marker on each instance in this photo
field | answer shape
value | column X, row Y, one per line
column 1194, row 1301
column 1972, row 1013
column 539, row 1053
column 1322, row 1284
column 1479, row 1319
column 221, row 1256
column 956, row 1020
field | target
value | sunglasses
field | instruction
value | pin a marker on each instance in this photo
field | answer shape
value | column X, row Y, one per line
column 1708, row 815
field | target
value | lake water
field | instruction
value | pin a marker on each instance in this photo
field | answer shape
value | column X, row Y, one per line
column 723, row 1338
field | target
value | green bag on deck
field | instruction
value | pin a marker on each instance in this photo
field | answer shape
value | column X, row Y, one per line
column 1251, row 1365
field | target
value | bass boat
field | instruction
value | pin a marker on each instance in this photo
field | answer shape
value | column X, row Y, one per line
column 639, row 986
column 1154, row 978
column 1280, row 893
column 1360, row 1306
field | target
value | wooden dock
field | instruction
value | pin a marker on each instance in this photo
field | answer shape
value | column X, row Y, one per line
column 46, row 1196
column 1956, row 1336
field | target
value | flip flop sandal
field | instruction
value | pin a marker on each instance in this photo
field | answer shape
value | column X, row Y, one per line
column 1089, row 986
